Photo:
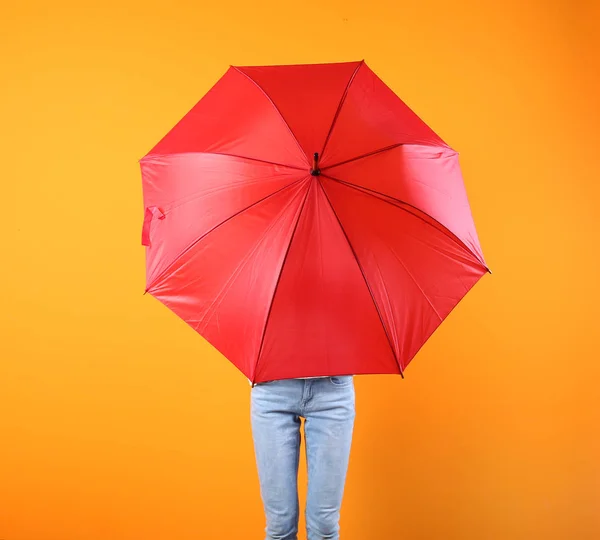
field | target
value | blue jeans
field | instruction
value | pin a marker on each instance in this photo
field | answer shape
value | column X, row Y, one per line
column 327, row 405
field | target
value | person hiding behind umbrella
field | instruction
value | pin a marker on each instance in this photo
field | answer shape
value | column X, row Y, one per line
column 328, row 406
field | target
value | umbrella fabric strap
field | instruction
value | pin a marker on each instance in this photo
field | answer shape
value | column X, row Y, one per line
column 152, row 212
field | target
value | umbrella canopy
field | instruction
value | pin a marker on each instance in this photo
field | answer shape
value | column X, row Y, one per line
column 306, row 222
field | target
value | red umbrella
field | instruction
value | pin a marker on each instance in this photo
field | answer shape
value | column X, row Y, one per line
column 307, row 223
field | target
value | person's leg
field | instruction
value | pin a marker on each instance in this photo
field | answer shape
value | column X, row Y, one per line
column 276, row 434
column 328, row 428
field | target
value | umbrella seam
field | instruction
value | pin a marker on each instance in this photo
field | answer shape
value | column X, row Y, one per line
column 209, row 312
column 385, row 330
column 277, row 109
column 390, row 147
column 168, row 207
column 396, row 202
column 399, row 259
column 165, row 271
column 340, row 105
column 149, row 156
column 389, row 307
column 262, row 341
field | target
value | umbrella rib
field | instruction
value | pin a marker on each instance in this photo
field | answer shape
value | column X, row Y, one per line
column 387, row 335
column 342, row 100
column 362, row 156
column 150, row 156
column 402, row 206
column 276, row 108
column 379, row 151
column 262, row 339
column 166, row 270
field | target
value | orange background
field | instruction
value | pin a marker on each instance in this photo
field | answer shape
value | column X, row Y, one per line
column 117, row 421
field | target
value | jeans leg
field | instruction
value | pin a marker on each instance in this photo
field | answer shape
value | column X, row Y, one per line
column 328, row 435
column 276, row 435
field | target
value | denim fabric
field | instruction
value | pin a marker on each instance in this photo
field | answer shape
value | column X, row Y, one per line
column 328, row 406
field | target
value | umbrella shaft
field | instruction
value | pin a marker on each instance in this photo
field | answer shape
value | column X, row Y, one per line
column 315, row 165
